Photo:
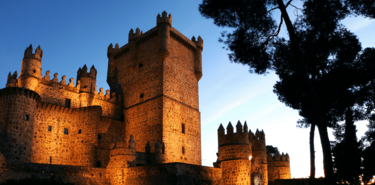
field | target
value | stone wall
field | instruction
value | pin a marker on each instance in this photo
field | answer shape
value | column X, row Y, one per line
column 173, row 173
column 174, row 115
column 56, row 93
column 278, row 167
column 168, row 174
column 65, row 136
column 17, row 120
column 74, row 174
column 236, row 172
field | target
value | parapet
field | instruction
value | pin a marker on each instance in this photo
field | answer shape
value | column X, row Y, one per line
column 8, row 91
column 12, row 80
column 198, row 43
column 278, row 157
column 55, row 82
column 30, row 55
column 132, row 35
column 240, row 137
column 163, row 19
column 259, row 135
column 83, row 72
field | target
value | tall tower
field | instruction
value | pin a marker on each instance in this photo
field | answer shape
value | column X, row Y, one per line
column 30, row 70
column 158, row 73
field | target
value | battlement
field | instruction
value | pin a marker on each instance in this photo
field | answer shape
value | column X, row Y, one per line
column 30, row 55
column 240, row 137
column 198, row 43
column 66, row 110
column 11, row 91
column 83, row 72
column 259, row 135
column 163, row 19
column 62, row 84
column 132, row 35
column 12, row 80
column 278, row 157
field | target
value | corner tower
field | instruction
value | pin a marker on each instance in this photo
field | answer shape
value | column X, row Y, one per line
column 158, row 73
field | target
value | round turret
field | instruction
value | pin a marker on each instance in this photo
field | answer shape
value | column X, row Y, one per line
column 30, row 70
column 17, row 110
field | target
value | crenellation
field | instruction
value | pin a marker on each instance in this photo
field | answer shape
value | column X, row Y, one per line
column 164, row 19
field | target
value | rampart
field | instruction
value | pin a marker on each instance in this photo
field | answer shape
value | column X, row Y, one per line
column 278, row 167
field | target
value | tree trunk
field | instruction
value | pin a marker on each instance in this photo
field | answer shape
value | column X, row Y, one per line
column 312, row 155
column 317, row 113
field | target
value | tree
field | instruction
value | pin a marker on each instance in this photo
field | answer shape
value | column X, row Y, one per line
column 252, row 43
column 346, row 151
column 271, row 150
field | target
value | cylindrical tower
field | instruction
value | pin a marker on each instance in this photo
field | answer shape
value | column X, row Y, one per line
column 233, row 156
column 87, row 85
column 17, row 110
column 122, row 155
column 30, row 70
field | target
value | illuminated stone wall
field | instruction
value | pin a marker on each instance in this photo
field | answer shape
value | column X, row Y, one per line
column 157, row 74
column 17, row 120
column 279, row 167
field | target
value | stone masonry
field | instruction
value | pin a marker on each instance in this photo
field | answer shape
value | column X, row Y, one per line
column 144, row 130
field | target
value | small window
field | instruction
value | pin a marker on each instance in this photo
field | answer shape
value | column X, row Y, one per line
column 183, row 150
column 183, row 128
column 26, row 117
column 141, row 96
column 140, row 65
column 50, row 160
column 99, row 137
column 79, row 131
column 67, row 103
column 49, row 128
column 98, row 164
column 66, row 131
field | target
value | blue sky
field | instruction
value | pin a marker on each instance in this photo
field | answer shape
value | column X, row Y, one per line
column 74, row 33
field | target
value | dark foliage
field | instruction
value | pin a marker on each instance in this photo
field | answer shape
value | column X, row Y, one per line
column 346, row 152
column 272, row 150
column 368, row 162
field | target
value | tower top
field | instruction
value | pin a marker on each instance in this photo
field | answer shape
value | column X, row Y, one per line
column 30, row 55
column 163, row 19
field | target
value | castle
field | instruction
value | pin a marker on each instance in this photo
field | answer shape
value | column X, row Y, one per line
column 144, row 130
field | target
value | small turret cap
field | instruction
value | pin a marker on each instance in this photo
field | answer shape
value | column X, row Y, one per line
column 221, row 127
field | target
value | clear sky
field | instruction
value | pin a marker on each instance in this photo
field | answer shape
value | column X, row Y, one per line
column 74, row 33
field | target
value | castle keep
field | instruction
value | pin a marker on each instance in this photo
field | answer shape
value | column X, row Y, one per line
column 145, row 130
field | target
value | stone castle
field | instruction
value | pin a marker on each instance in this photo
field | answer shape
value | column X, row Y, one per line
column 144, row 130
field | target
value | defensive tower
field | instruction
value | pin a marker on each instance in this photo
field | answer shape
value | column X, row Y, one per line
column 158, row 73
column 30, row 70
column 234, row 154
column 259, row 161
column 87, row 85
column 278, row 167
column 16, row 124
